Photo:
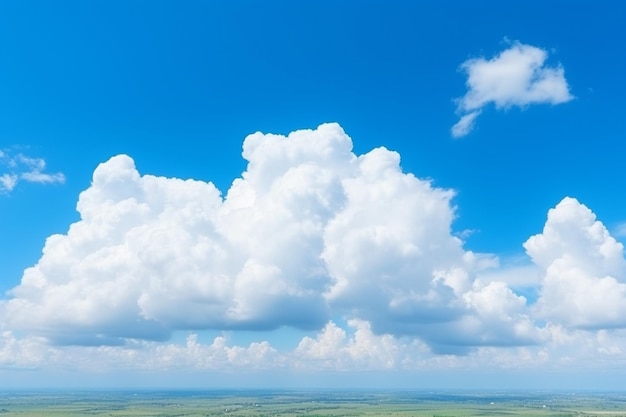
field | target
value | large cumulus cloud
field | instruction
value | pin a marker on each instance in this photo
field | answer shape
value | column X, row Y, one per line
column 309, row 231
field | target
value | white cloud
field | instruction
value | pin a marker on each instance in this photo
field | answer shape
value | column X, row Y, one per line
column 310, row 230
column 503, row 316
column 334, row 349
column 42, row 178
column 34, row 353
column 23, row 168
column 584, row 281
column 517, row 76
column 355, row 348
column 8, row 182
column 153, row 254
column 22, row 353
column 464, row 125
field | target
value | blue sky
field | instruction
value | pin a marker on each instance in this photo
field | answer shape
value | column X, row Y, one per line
column 330, row 255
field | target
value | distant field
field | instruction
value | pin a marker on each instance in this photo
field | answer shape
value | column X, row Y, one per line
column 310, row 404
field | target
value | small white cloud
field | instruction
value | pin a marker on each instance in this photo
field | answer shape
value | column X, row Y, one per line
column 517, row 76
column 7, row 182
column 33, row 164
column 42, row 178
column 334, row 349
column 23, row 168
column 35, row 173
column 464, row 125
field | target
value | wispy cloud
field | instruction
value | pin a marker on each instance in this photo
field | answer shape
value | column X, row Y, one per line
column 517, row 76
column 465, row 124
column 19, row 167
column 620, row 230
column 8, row 182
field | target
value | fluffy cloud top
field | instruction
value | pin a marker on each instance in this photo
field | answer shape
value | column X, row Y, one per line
column 23, row 168
column 585, row 270
column 517, row 76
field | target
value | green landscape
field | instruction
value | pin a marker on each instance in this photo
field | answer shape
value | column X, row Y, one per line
column 309, row 403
